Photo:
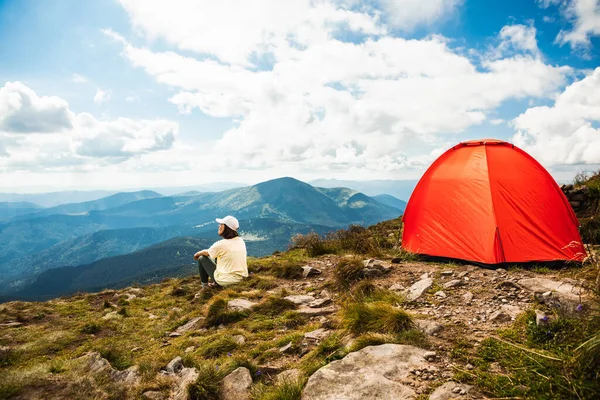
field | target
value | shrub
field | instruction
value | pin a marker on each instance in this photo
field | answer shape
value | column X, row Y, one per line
column 218, row 347
column 119, row 358
column 218, row 314
column 348, row 271
column 375, row 317
column 207, row 384
column 273, row 306
column 314, row 244
column 282, row 391
column 367, row 291
column 90, row 328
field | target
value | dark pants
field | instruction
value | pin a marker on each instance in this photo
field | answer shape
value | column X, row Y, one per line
column 206, row 268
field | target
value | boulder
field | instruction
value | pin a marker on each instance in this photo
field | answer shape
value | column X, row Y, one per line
column 300, row 299
column 450, row 391
column 562, row 294
column 236, row 385
column 240, row 305
column 289, row 376
column 375, row 372
column 418, row 288
column 93, row 363
column 185, row 378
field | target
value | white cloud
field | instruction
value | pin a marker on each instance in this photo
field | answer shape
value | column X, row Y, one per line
column 39, row 133
column 497, row 121
column 132, row 99
column 519, row 38
column 101, row 96
column 584, row 16
column 569, row 131
column 79, row 78
column 23, row 111
column 407, row 14
column 378, row 105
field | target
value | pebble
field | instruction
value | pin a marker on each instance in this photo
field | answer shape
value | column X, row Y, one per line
column 430, row 355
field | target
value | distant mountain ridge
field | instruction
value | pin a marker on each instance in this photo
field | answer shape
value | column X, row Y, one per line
column 38, row 242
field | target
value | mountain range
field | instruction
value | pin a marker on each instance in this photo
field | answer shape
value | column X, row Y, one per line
column 82, row 234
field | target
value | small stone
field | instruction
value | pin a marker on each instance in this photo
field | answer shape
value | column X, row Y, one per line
column 112, row 315
column 467, row 297
column 175, row 365
column 239, row 339
column 317, row 335
column 188, row 326
column 16, row 324
column 135, row 349
column 469, row 367
column 501, row 270
column 154, row 395
column 418, row 288
column 318, row 303
column 446, row 273
column 452, row 283
column 308, row 271
column 240, row 305
column 396, row 287
column 499, row 317
column 429, row 355
column 174, row 334
column 440, row 294
column 287, row 348
column 300, row 299
column 456, row 390
column 315, row 312
column 541, row 318
column 190, row 349
column 152, row 316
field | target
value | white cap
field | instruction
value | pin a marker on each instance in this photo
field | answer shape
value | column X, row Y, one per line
column 230, row 221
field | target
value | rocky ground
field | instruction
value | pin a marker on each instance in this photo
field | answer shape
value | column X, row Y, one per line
column 450, row 303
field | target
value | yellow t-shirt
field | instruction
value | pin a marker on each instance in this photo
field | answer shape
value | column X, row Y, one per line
column 231, row 260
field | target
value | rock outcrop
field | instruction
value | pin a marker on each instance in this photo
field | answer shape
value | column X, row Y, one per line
column 375, row 372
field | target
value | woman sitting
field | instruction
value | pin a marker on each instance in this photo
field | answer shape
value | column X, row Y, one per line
column 229, row 255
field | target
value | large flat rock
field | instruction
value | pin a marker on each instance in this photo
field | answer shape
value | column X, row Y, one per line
column 375, row 372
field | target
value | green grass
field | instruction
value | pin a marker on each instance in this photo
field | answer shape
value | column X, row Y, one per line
column 541, row 362
column 378, row 317
column 118, row 357
column 207, row 385
column 217, row 346
column 367, row 292
column 218, row 314
column 347, row 272
column 280, row 391
column 273, row 306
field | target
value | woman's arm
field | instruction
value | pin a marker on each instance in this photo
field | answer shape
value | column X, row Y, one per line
column 200, row 254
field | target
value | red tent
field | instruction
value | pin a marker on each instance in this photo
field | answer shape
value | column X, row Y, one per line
column 490, row 202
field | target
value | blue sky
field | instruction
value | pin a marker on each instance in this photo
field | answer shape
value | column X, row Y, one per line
column 196, row 92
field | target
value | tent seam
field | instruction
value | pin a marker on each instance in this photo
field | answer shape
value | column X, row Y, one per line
column 497, row 231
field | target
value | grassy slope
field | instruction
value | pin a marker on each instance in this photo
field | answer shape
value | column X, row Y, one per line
column 39, row 355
